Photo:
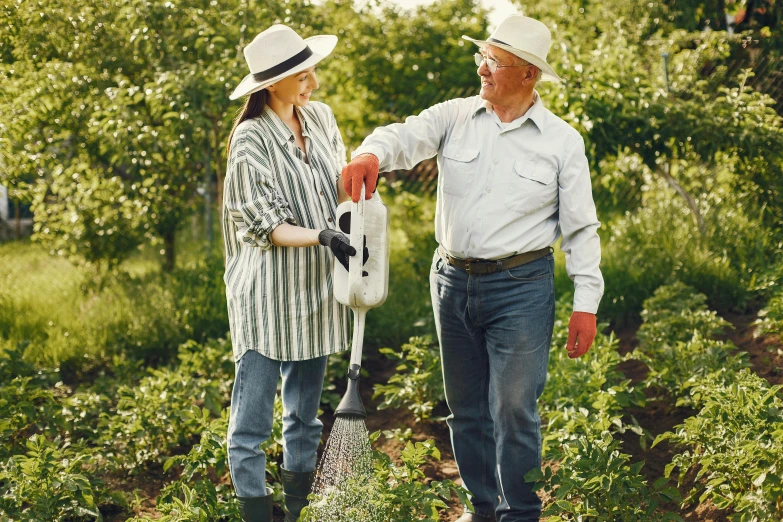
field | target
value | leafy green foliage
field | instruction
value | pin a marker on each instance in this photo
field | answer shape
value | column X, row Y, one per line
column 418, row 383
column 658, row 244
column 51, row 481
column 675, row 342
column 735, row 446
column 770, row 318
column 594, row 479
column 61, row 319
column 587, row 396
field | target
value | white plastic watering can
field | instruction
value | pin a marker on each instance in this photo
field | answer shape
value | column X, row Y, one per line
column 365, row 284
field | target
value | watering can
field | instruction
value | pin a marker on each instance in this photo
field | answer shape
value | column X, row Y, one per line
column 365, row 284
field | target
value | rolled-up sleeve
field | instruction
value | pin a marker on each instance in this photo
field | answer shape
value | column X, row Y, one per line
column 579, row 226
column 254, row 205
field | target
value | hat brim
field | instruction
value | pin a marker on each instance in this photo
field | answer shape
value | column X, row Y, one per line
column 547, row 73
column 322, row 46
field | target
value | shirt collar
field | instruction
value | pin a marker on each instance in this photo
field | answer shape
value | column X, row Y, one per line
column 280, row 130
column 535, row 113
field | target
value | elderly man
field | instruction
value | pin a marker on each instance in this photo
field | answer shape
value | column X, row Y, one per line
column 513, row 178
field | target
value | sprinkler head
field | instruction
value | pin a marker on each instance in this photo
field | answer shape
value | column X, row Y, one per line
column 351, row 403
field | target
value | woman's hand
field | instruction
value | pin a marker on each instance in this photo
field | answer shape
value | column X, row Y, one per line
column 338, row 243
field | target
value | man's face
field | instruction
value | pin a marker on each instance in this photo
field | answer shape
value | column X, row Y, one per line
column 505, row 85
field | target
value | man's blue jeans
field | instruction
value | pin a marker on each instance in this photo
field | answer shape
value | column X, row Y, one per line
column 252, row 415
column 495, row 331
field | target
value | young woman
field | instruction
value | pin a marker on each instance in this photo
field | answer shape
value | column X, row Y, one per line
column 281, row 191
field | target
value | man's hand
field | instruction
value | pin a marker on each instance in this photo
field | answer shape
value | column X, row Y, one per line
column 581, row 332
column 339, row 245
column 363, row 167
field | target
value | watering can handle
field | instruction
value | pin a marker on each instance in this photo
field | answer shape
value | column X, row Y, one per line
column 357, row 241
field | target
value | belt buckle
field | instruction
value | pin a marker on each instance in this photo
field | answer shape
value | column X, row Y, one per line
column 469, row 261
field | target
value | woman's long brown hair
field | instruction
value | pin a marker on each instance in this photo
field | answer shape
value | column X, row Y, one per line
column 254, row 106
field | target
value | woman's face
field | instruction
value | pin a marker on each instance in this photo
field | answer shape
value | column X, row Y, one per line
column 295, row 89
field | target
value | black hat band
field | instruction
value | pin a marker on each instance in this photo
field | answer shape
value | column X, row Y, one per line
column 284, row 66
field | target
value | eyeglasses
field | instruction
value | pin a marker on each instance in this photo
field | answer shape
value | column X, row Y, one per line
column 492, row 65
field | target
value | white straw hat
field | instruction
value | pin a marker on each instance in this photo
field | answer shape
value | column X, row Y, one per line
column 525, row 37
column 279, row 52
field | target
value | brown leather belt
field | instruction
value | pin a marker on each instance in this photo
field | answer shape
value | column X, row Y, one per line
column 490, row 266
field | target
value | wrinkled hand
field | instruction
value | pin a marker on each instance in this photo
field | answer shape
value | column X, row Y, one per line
column 581, row 333
column 363, row 167
column 338, row 243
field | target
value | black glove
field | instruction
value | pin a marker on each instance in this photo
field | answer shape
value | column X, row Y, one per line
column 338, row 243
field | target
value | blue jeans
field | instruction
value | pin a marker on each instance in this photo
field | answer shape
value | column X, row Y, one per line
column 252, row 415
column 495, row 331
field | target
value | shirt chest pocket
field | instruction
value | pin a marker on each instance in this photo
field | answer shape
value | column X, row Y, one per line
column 532, row 186
column 459, row 167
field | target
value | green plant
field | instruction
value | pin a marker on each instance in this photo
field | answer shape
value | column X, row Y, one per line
column 586, row 396
column 51, row 481
column 195, row 492
column 26, row 410
column 418, row 383
column 770, row 318
column 734, row 445
column 594, row 480
column 676, row 345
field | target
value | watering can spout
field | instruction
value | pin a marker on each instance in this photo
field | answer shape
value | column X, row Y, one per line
column 351, row 403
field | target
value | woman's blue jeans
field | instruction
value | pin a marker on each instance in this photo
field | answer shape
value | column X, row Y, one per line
column 252, row 415
column 495, row 331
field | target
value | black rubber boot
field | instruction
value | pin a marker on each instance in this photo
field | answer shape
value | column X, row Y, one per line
column 296, row 487
column 256, row 509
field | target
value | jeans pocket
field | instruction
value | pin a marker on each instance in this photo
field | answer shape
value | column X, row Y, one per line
column 437, row 262
column 534, row 271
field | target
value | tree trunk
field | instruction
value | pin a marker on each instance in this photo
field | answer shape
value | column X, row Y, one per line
column 663, row 170
column 17, row 221
column 218, row 172
column 720, row 24
column 168, row 245
column 208, row 195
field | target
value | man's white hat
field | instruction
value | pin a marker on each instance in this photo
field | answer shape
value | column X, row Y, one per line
column 525, row 37
column 279, row 52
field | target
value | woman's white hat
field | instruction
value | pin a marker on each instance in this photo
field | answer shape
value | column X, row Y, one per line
column 279, row 52
column 525, row 37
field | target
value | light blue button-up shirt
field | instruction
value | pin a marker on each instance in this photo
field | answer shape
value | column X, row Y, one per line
column 503, row 189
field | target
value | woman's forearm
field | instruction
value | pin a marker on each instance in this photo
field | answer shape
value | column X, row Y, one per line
column 289, row 235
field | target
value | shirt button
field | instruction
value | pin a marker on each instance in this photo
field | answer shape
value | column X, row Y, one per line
column 480, row 218
column 497, row 161
column 457, row 154
column 489, row 189
column 322, row 192
column 329, row 220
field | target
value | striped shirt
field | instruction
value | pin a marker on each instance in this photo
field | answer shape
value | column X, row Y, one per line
column 280, row 299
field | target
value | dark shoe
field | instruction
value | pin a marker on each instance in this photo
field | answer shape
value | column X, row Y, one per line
column 471, row 517
column 256, row 509
column 296, row 487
